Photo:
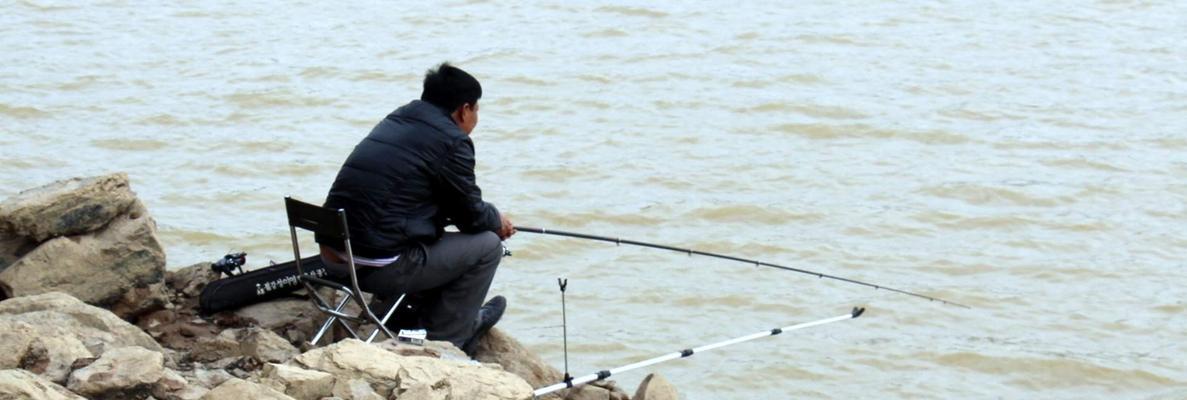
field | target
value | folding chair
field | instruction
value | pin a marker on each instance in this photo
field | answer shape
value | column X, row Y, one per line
column 331, row 224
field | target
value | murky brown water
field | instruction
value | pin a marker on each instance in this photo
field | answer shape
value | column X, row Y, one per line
column 1023, row 158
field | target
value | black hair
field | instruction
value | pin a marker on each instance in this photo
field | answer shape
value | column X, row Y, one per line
column 448, row 87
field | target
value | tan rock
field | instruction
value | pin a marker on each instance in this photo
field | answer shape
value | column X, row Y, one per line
column 67, row 207
column 140, row 301
column 431, row 348
column 11, row 249
column 173, row 386
column 422, row 391
column 121, row 373
column 24, row 385
column 65, row 327
column 206, row 378
column 238, row 389
column 655, row 387
column 355, row 389
column 301, row 384
column 97, row 268
column 265, row 346
column 49, row 356
column 386, row 371
column 190, row 281
column 213, row 348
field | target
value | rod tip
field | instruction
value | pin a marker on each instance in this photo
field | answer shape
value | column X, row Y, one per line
column 857, row 311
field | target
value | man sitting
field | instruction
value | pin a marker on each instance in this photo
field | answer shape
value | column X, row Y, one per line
column 412, row 176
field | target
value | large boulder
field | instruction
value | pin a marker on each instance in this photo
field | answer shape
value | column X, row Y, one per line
column 99, row 268
column 391, row 375
column 46, row 333
column 123, row 373
column 21, row 384
column 496, row 347
column 68, row 207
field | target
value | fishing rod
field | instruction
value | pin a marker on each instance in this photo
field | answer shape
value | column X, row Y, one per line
column 603, row 374
column 756, row 263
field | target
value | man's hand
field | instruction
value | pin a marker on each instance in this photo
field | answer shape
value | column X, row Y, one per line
column 507, row 229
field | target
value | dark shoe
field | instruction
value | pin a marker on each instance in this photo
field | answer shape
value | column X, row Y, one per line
column 488, row 316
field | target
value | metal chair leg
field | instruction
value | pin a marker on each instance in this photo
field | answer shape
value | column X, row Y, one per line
column 387, row 316
column 325, row 326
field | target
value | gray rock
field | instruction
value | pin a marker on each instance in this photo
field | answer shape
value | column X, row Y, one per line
column 238, row 389
column 24, row 385
column 48, row 332
column 388, row 372
column 655, row 387
column 67, row 207
column 301, row 384
column 293, row 319
column 121, row 373
column 97, row 268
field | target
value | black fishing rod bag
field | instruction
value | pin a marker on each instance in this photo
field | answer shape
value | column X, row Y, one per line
column 280, row 280
column 257, row 286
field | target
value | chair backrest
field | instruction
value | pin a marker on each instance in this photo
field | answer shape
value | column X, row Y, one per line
column 323, row 221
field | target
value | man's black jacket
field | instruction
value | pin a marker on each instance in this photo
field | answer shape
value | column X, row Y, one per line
column 408, row 179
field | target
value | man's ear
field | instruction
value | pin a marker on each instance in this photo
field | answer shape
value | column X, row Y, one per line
column 458, row 115
column 461, row 110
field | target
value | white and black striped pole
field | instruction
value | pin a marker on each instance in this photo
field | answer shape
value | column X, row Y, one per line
column 603, row 374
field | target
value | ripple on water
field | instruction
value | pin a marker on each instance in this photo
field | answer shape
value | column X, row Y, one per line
column 578, row 219
column 22, row 112
column 751, row 214
column 1083, row 163
column 282, row 98
column 130, row 144
column 1036, row 373
column 605, row 33
column 631, row 11
column 811, row 110
column 982, row 194
column 821, row 131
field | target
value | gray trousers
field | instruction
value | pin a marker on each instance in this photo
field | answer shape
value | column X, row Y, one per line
column 456, row 273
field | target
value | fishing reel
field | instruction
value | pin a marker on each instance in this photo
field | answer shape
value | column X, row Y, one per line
column 230, row 263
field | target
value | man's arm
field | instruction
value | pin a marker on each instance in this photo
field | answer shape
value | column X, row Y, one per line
column 461, row 196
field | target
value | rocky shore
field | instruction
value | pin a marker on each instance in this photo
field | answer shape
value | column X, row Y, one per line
column 89, row 310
